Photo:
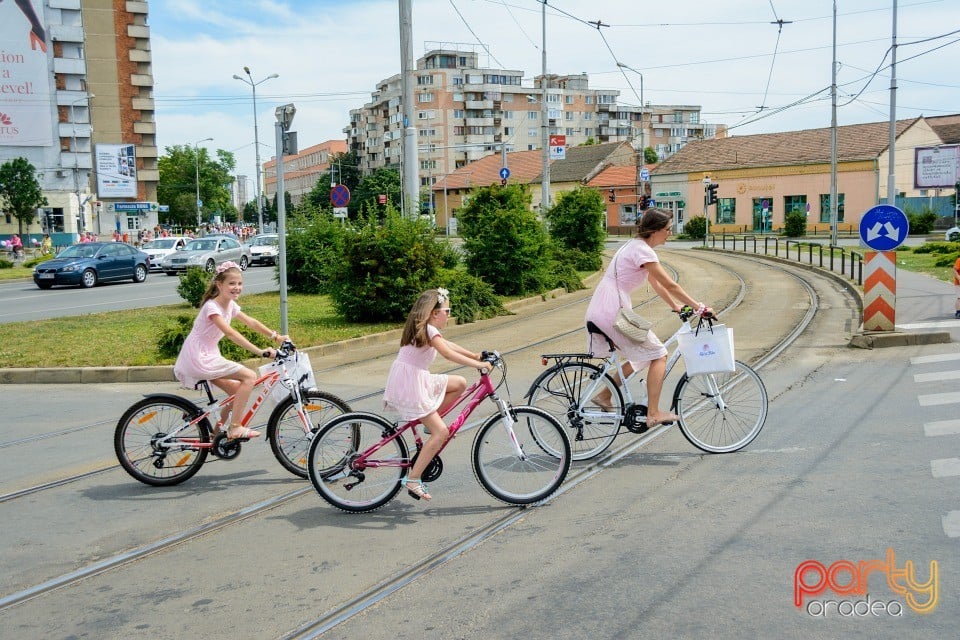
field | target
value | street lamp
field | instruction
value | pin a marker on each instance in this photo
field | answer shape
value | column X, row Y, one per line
column 196, row 157
column 256, row 136
column 641, row 160
column 76, row 159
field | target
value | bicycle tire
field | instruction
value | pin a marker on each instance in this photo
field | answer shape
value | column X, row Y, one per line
column 135, row 440
column 558, row 391
column 289, row 442
column 333, row 451
column 521, row 480
column 714, row 429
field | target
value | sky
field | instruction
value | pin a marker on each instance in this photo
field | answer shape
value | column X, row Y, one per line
column 757, row 66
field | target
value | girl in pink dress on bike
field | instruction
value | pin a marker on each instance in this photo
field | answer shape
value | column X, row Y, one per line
column 413, row 391
column 200, row 357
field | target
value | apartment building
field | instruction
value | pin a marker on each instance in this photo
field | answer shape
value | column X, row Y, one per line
column 301, row 171
column 83, row 113
column 465, row 111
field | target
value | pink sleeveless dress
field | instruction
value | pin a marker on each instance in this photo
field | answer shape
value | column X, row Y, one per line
column 614, row 291
column 200, row 357
column 412, row 391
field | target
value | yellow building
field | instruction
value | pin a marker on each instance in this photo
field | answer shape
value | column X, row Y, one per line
column 762, row 177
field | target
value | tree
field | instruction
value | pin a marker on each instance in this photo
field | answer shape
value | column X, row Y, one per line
column 650, row 156
column 344, row 170
column 20, row 191
column 365, row 196
column 178, row 183
column 577, row 223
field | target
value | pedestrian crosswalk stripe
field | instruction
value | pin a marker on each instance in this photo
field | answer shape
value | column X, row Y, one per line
column 933, row 399
column 936, row 324
column 936, row 377
column 940, row 357
column 951, row 524
column 945, row 467
column 942, row 428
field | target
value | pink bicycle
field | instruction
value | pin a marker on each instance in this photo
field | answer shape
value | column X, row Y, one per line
column 520, row 455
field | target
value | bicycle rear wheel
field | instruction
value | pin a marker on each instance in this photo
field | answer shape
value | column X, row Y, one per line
column 340, row 478
column 721, row 412
column 560, row 392
column 141, row 448
column 534, row 475
column 289, row 439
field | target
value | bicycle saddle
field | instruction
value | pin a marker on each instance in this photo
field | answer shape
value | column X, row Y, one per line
column 592, row 328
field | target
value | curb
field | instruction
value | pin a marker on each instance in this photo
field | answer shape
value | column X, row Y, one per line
column 164, row 373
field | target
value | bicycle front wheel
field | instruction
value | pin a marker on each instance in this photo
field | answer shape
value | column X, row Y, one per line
column 721, row 412
column 146, row 452
column 347, row 482
column 290, row 437
column 531, row 476
column 561, row 391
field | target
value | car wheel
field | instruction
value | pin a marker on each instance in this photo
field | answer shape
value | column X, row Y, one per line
column 89, row 278
column 955, row 236
column 139, row 273
column 44, row 285
column 170, row 273
column 243, row 263
column 211, row 266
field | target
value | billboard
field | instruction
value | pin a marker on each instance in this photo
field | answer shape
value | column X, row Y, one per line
column 24, row 76
column 116, row 171
column 936, row 167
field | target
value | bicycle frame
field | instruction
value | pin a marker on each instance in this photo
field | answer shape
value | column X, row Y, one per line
column 265, row 383
column 473, row 396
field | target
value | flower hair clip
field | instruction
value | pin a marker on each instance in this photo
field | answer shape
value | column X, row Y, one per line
column 442, row 295
column 229, row 264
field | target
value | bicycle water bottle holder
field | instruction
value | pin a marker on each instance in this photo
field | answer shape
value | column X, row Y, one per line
column 635, row 418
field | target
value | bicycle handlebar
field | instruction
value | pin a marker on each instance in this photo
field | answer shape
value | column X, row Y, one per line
column 686, row 312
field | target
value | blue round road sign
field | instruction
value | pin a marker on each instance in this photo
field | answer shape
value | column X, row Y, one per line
column 340, row 195
column 504, row 173
column 884, row 227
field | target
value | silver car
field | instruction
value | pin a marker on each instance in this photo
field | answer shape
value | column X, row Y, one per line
column 208, row 253
column 160, row 248
column 264, row 248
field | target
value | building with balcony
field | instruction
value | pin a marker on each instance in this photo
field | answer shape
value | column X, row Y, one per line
column 88, row 127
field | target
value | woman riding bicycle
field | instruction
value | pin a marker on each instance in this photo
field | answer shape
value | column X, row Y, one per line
column 633, row 265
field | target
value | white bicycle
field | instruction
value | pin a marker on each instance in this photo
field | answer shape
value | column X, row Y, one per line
column 719, row 412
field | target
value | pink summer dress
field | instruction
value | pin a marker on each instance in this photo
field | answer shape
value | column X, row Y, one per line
column 614, row 291
column 412, row 391
column 200, row 357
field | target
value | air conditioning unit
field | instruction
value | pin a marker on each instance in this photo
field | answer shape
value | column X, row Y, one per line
column 62, row 173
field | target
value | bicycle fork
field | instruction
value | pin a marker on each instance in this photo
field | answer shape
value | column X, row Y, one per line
column 508, row 423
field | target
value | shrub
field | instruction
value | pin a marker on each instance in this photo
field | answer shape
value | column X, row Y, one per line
column 695, row 227
column 382, row 268
column 5, row 264
column 921, row 223
column 795, row 224
column 32, row 262
column 312, row 249
column 193, row 284
column 505, row 243
column 936, row 247
column 172, row 338
column 472, row 299
column 947, row 260
column 577, row 224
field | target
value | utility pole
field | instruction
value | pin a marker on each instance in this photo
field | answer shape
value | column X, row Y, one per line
column 411, row 175
column 284, row 117
column 833, row 135
column 545, row 115
column 892, row 177
column 81, row 205
column 256, row 138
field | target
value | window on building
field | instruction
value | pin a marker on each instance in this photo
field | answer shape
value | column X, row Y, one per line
column 427, row 165
column 763, row 214
column 568, row 115
column 553, row 97
column 678, row 116
column 726, row 210
column 424, row 97
column 588, row 99
column 508, row 115
column 694, row 118
column 533, row 115
column 825, row 207
column 458, row 113
column 52, row 220
column 424, row 80
column 568, row 99
column 588, row 131
column 533, row 133
column 425, row 115
column 569, row 131
column 794, row 203
column 508, row 97
column 458, row 81
column 459, row 131
column 508, row 131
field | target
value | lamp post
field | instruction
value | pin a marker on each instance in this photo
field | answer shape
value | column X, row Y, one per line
column 76, row 160
column 256, row 136
column 545, row 115
column 196, row 158
column 641, row 159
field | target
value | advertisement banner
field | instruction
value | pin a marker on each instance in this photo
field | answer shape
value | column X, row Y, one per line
column 116, row 171
column 936, row 167
column 24, row 76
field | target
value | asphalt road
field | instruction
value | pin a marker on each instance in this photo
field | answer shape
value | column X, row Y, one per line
column 22, row 300
column 662, row 541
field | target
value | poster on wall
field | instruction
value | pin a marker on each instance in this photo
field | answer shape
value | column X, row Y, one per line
column 116, row 171
column 936, row 167
column 24, row 76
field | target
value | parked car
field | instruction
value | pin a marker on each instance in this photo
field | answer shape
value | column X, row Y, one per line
column 207, row 252
column 88, row 263
column 160, row 248
column 952, row 234
column 264, row 248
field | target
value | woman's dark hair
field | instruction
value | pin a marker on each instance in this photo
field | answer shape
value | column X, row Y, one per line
column 653, row 220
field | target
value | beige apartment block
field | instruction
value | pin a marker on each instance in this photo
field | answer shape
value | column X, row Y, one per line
column 301, row 171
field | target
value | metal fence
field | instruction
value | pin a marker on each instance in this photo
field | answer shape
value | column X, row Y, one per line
column 844, row 261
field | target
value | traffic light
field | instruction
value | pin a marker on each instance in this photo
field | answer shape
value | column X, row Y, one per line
column 643, row 203
column 612, row 195
column 712, row 193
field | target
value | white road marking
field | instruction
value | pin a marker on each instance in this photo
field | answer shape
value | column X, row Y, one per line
column 945, row 467
column 933, row 399
column 942, row 428
column 940, row 357
column 951, row 524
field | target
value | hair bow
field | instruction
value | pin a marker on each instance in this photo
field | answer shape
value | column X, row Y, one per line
column 442, row 295
column 229, row 264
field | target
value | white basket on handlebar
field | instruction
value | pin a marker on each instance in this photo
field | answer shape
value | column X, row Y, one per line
column 707, row 349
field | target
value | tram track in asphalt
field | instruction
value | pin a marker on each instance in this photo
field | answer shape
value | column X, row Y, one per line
column 369, row 597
